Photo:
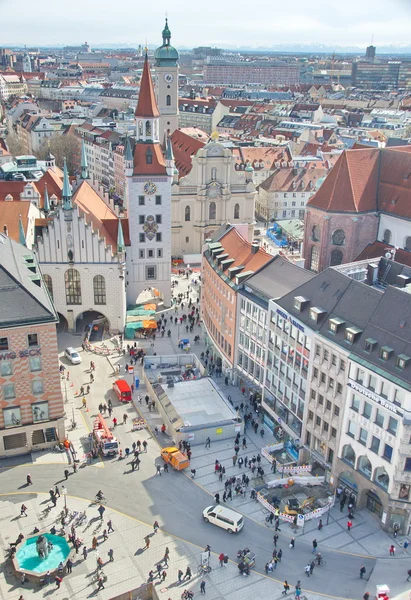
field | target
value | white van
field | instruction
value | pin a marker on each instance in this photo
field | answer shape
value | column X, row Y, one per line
column 224, row 517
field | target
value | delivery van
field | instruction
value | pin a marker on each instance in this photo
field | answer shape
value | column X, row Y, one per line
column 175, row 458
column 224, row 517
column 122, row 390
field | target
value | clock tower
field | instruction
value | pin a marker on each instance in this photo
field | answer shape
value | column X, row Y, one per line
column 149, row 175
column 166, row 62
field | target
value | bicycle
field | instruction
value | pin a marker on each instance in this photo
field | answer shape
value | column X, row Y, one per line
column 204, row 569
column 321, row 563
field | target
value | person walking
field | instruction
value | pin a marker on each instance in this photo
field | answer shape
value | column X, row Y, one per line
column 275, row 539
column 69, row 565
column 100, row 583
column 125, row 417
column 111, row 555
column 202, row 587
column 307, row 570
column 279, row 555
column 94, row 543
column 392, row 550
column 405, row 546
column 208, row 443
column 66, row 474
column 320, row 525
column 147, row 541
column 114, row 422
column 315, row 544
column 58, row 581
column 312, row 565
column 158, row 470
column 84, row 552
column 286, row 588
column 156, row 526
column 234, row 459
column 110, row 526
column 101, row 511
column 188, row 573
column 349, row 525
column 217, row 498
column 180, row 575
column 292, row 543
column 409, row 574
column 23, row 510
column 145, row 446
column 362, row 571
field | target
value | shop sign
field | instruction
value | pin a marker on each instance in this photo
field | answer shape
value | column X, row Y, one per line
column 219, row 430
column 368, row 394
column 21, row 354
column 290, row 319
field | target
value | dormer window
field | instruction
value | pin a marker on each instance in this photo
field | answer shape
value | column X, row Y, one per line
column 369, row 345
column 334, row 324
column 316, row 313
column 351, row 334
column 149, row 157
column 386, row 352
column 300, row 303
column 402, row 361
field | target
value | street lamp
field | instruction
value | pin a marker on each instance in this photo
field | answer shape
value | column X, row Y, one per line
column 64, row 492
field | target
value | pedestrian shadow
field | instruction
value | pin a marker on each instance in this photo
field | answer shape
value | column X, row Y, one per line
column 140, row 551
column 24, row 485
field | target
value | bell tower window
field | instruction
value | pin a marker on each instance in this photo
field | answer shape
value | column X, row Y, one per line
column 148, row 129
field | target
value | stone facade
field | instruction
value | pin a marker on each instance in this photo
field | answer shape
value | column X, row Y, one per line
column 331, row 239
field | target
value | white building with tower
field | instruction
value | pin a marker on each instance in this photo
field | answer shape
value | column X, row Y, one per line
column 149, row 176
column 166, row 57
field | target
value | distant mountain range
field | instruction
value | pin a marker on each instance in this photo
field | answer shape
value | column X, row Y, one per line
column 303, row 48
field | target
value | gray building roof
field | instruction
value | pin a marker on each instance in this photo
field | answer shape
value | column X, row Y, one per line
column 277, row 278
column 372, row 313
column 24, row 297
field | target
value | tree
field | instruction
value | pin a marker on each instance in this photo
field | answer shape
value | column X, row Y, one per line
column 15, row 145
column 65, row 146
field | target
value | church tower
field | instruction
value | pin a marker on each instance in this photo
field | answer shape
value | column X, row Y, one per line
column 166, row 58
column 148, row 199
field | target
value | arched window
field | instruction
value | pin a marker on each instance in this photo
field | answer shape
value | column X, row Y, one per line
column 236, row 211
column 407, row 244
column 213, row 173
column 48, row 282
column 381, row 477
column 73, row 286
column 314, row 259
column 148, row 129
column 187, row 213
column 348, row 454
column 336, row 258
column 140, row 129
column 365, row 466
column 212, row 211
column 315, row 233
column 99, row 287
column 168, row 100
column 387, row 236
column 187, row 239
column 338, row 237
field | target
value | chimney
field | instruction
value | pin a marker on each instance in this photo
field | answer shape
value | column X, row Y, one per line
column 255, row 247
column 5, row 231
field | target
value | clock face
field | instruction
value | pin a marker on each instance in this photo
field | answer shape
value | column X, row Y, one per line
column 168, row 78
column 150, row 188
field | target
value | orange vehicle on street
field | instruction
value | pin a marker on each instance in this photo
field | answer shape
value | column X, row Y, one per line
column 175, row 458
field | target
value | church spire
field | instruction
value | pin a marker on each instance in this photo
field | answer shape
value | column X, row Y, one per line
column 120, row 237
column 147, row 105
column 166, row 34
column 84, row 163
column 66, row 196
column 22, row 235
column 46, row 201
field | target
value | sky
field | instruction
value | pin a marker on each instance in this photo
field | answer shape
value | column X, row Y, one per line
column 221, row 23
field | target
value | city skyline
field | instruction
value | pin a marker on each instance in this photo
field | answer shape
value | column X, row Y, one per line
column 348, row 24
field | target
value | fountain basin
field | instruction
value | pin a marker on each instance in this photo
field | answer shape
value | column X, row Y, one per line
column 27, row 560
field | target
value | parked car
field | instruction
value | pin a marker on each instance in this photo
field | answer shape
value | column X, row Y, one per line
column 72, row 355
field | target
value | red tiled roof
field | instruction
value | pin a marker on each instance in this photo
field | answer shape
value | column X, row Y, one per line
column 241, row 250
column 395, row 181
column 157, row 165
column 352, row 184
column 9, row 215
column 147, row 105
column 184, row 147
column 377, row 249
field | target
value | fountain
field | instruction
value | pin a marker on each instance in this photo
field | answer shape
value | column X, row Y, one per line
column 39, row 554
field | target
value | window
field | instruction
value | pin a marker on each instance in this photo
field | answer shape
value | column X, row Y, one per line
column 32, row 339
column 355, row 403
column 73, row 286
column 159, row 253
column 323, row 377
column 317, row 350
column 150, row 272
column 369, row 345
column 141, row 253
column 372, row 384
column 9, row 391
column 49, row 284
column 35, row 363
column 339, row 388
column 363, row 436
column 375, row 444
column 142, row 238
column 328, row 405
column 168, row 100
column 325, row 426
column 37, row 386
column 158, row 219
column 352, row 428
column 187, row 239
column 387, row 454
column 392, row 426
column 212, row 211
column 315, row 233
column 150, row 253
column 141, row 200
column 313, row 394
column 158, row 237
column 141, row 219
column 336, row 411
column 6, row 368
column 318, row 421
column 360, row 376
column 334, row 360
column 40, row 411
column 331, row 383
column 236, row 211
column 342, row 366
column 4, row 343
column 310, row 415
column 387, row 236
column 338, row 237
column 99, row 287
column 213, row 173
column 330, row 455
column 315, row 373
column 336, row 258
column 314, row 259
column 407, row 245
column 367, row 410
column 187, row 213
column 333, row 432
column 379, row 418
column 158, row 200
column 326, row 354
column 149, row 157
column 320, row 399
column 385, row 388
column 407, row 465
